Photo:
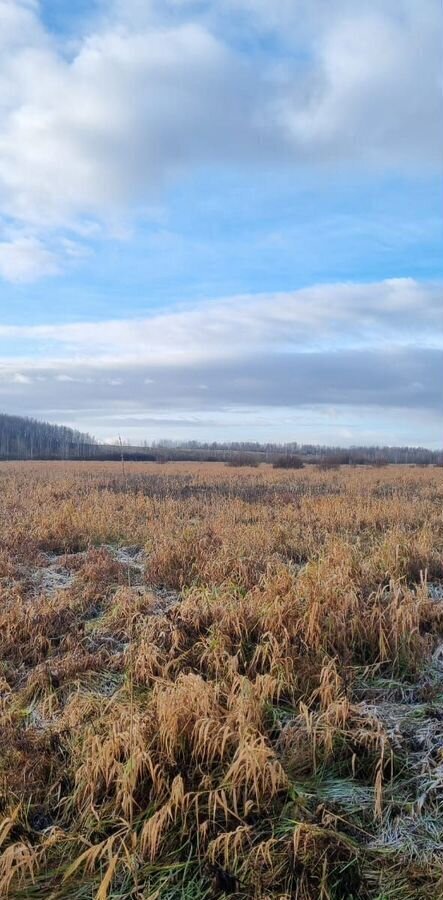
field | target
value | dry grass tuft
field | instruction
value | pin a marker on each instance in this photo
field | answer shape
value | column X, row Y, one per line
column 255, row 711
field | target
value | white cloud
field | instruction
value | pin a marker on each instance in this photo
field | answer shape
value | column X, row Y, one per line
column 25, row 259
column 91, row 130
column 388, row 314
column 19, row 378
column 373, row 91
column 83, row 136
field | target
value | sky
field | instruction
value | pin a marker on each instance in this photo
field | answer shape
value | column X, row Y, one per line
column 223, row 221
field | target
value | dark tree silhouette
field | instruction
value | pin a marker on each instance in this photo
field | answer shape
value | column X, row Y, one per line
column 22, row 438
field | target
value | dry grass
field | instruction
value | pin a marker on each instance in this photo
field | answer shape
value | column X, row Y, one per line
column 260, row 719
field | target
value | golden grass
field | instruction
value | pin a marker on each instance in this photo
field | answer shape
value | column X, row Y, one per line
column 213, row 746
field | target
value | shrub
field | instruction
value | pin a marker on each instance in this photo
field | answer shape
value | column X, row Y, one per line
column 291, row 461
column 328, row 463
column 243, row 459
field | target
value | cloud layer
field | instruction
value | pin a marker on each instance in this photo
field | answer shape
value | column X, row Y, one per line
column 93, row 127
column 349, row 347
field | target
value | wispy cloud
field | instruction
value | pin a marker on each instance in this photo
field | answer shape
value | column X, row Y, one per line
column 25, row 259
column 392, row 313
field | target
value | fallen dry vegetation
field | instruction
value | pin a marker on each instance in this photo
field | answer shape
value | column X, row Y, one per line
column 218, row 683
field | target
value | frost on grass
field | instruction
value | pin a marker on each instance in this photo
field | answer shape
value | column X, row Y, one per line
column 56, row 572
column 217, row 683
column 51, row 576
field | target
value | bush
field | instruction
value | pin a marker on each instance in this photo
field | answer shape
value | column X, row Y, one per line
column 328, row 463
column 243, row 459
column 291, row 461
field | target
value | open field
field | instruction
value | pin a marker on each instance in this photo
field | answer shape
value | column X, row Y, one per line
column 219, row 682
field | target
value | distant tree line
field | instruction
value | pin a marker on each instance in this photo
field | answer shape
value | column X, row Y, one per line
column 23, row 438
column 294, row 452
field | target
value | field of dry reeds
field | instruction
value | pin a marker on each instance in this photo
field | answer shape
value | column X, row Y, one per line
column 220, row 682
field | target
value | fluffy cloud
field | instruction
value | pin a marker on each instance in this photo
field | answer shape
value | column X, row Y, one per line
column 373, row 91
column 90, row 130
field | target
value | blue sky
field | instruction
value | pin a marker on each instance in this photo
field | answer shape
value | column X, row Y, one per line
column 223, row 224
